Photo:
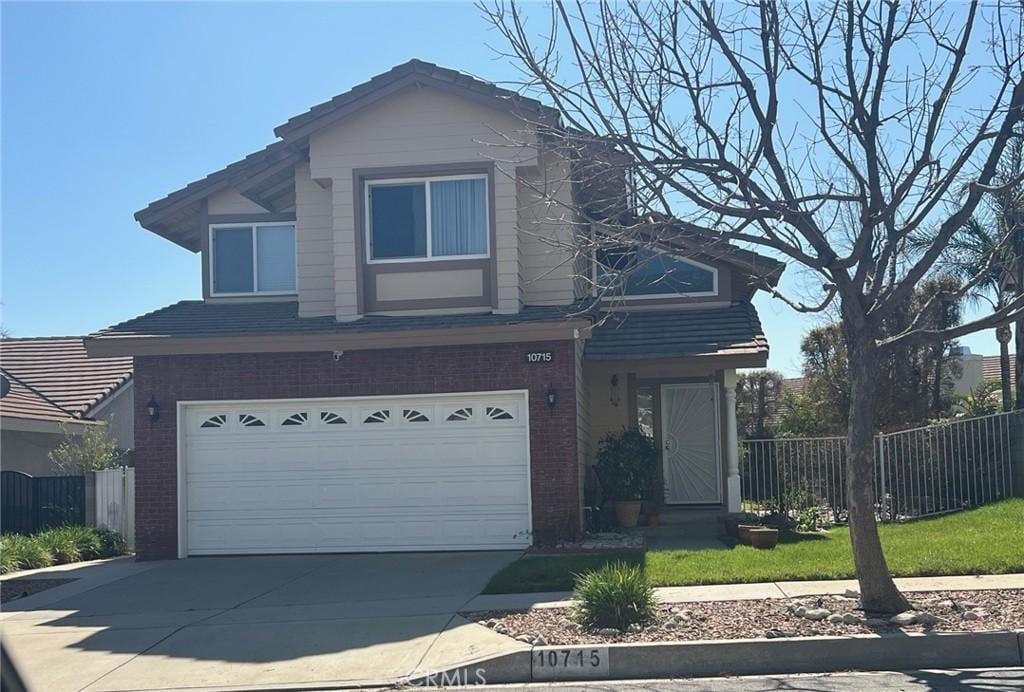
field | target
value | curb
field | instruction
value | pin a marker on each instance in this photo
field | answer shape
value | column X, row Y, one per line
column 740, row 657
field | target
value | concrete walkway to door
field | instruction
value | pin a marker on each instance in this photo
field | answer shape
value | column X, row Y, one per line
column 304, row 620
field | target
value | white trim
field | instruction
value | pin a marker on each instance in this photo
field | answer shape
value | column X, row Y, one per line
column 661, row 296
column 426, row 180
column 181, row 422
column 713, row 386
column 73, row 426
column 255, row 261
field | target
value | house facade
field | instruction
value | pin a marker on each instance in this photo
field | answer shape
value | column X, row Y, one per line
column 399, row 349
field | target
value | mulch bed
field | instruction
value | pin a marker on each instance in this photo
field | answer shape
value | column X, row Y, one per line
column 13, row 589
column 772, row 618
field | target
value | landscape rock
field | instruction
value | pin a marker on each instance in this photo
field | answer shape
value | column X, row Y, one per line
column 775, row 633
column 815, row 614
column 851, row 619
column 525, row 638
column 800, row 611
column 976, row 614
column 926, row 619
column 834, row 618
column 851, row 593
column 635, row 627
column 904, row 619
column 876, row 622
column 946, row 603
column 609, row 632
column 539, row 640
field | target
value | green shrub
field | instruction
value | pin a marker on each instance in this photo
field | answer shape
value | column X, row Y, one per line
column 616, row 595
column 627, row 465
column 87, row 540
column 23, row 552
column 60, row 544
column 112, row 543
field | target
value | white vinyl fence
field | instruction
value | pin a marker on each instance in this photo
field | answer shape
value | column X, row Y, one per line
column 918, row 472
column 115, row 502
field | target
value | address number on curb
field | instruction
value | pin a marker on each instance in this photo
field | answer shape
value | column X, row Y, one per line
column 570, row 664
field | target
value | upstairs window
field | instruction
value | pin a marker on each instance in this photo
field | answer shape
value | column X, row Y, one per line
column 428, row 218
column 639, row 272
column 252, row 259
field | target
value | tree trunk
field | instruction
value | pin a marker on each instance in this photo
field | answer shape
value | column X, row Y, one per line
column 878, row 592
column 1004, row 375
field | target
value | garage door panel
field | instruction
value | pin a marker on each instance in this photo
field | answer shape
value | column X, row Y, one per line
column 449, row 472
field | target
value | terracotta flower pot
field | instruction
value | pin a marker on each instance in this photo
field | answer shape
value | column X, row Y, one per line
column 743, row 532
column 764, row 539
column 627, row 512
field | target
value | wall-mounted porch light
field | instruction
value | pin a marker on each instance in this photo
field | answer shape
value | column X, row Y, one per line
column 153, row 409
column 614, row 395
column 552, row 396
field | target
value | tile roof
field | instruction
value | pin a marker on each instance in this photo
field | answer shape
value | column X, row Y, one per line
column 195, row 318
column 732, row 330
column 58, row 370
column 21, row 401
column 992, row 371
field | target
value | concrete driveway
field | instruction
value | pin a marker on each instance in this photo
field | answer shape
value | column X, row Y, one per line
column 252, row 621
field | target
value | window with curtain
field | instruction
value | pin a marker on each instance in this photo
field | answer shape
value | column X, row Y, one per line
column 252, row 258
column 428, row 218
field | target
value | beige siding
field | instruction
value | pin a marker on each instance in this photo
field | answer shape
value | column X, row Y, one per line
column 119, row 415
column 232, row 202
column 546, row 232
column 420, row 126
column 459, row 283
column 29, row 452
column 314, row 241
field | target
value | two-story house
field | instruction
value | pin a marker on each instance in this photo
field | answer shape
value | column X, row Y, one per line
column 390, row 355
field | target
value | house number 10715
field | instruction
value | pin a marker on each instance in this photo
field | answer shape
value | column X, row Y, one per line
column 539, row 357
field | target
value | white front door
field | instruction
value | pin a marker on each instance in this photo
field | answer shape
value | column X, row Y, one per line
column 438, row 472
column 690, row 437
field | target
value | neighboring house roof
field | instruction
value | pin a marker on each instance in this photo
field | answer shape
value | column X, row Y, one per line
column 24, row 402
column 730, row 331
column 58, row 370
column 991, row 370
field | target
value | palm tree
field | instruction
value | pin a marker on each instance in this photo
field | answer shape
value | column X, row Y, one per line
column 969, row 254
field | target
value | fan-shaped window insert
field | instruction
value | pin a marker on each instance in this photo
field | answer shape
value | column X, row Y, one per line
column 250, row 421
column 497, row 413
column 414, row 416
column 218, row 421
column 461, row 414
column 381, row 416
column 300, row 418
column 332, row 418
column 631, row 270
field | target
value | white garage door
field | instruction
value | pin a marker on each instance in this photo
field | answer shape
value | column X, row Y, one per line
column 447, row 472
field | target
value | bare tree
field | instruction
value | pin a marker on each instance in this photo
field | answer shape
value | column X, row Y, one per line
column 827, row 134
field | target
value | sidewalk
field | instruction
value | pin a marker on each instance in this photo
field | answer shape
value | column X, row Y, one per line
column 741, row 592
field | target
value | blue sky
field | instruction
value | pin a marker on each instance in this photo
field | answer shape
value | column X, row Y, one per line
column 106, row 107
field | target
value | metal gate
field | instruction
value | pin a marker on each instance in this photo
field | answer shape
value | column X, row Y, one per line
column 29, row 504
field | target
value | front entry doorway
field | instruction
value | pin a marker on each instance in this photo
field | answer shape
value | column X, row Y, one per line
column 691, row 443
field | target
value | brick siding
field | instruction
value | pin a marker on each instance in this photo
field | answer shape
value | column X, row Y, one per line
column 432, row 370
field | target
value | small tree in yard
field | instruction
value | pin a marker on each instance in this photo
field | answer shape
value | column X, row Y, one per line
column 90, row 450
column 829, row 134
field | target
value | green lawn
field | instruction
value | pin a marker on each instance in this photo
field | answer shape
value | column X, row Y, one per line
column 987, row 540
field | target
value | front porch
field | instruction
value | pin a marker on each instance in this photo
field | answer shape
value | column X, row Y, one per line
column 672, row 376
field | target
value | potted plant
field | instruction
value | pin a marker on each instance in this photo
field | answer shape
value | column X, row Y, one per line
column 764, row 538
column 627, row 463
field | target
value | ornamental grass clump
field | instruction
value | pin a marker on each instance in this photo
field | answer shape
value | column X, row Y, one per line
column 22, row 552
column 615, row 596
